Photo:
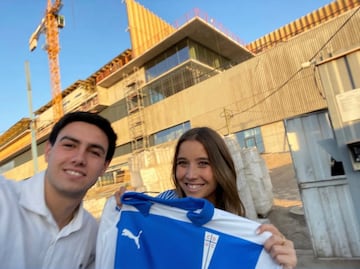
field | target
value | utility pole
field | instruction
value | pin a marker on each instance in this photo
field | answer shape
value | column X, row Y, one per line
column 32, row 120
column 228, row 115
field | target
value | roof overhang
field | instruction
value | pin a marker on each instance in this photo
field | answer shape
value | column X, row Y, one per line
column 64, row 93
column 196, row 29
column 15, row 132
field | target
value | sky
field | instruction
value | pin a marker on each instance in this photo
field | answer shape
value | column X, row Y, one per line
column 95, row 33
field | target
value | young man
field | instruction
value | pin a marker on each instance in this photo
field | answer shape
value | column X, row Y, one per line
column 42, row 221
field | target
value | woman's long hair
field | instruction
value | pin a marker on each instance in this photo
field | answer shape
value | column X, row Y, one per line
column 222, row 165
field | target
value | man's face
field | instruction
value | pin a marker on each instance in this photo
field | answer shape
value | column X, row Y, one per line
column 76, row 159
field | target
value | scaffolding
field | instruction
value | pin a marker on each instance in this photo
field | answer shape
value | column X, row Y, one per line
column 135, row 107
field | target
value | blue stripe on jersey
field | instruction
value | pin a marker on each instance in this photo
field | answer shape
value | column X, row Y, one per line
column 169, row 194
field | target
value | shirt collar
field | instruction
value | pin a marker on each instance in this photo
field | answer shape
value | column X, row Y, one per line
column 32, row 197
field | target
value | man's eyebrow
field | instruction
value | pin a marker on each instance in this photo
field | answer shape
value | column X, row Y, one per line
column 69, row 138
column 98, row 146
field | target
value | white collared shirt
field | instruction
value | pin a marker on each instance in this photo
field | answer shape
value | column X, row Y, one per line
column 30, row 237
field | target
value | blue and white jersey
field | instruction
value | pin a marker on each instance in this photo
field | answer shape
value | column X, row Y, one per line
column 169, row 194
column 181, row 233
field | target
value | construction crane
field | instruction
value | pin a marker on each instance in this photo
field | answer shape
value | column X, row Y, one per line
column 49, row 25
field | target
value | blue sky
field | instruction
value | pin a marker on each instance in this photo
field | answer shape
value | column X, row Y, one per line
column 94, row 34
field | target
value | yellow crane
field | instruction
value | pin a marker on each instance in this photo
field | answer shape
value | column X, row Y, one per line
column 50, row 25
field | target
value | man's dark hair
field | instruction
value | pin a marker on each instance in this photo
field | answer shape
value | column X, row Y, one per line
column 90, row 118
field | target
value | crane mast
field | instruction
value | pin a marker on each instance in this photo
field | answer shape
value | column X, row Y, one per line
column 50, row 25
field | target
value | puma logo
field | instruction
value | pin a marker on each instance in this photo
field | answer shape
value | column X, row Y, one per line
column 126, row 232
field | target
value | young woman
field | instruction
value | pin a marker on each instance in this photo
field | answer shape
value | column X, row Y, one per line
column 203, row 168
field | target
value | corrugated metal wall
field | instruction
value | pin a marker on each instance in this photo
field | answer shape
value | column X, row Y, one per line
column 341, row 74
column 146, row 29
column 274, row 85
column 340, row 77
column 302, row 24
column 327, row 202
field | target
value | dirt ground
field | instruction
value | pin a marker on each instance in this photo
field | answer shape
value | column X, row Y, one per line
column 287, row 213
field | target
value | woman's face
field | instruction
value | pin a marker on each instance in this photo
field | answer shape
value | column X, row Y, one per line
column 194, row 172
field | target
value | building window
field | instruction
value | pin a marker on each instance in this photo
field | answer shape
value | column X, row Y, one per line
column 7, row 166
column 171, row 133
column 180, row 53
column 115, row 174
column 186, row 75
column 178, row 68
column 208, row 57
column 106, row 179
column 169, row 59
column 251, row 138
column 122, row 150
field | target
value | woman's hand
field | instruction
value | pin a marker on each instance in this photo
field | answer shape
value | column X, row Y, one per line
column 280, row 249
column 118, row 195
